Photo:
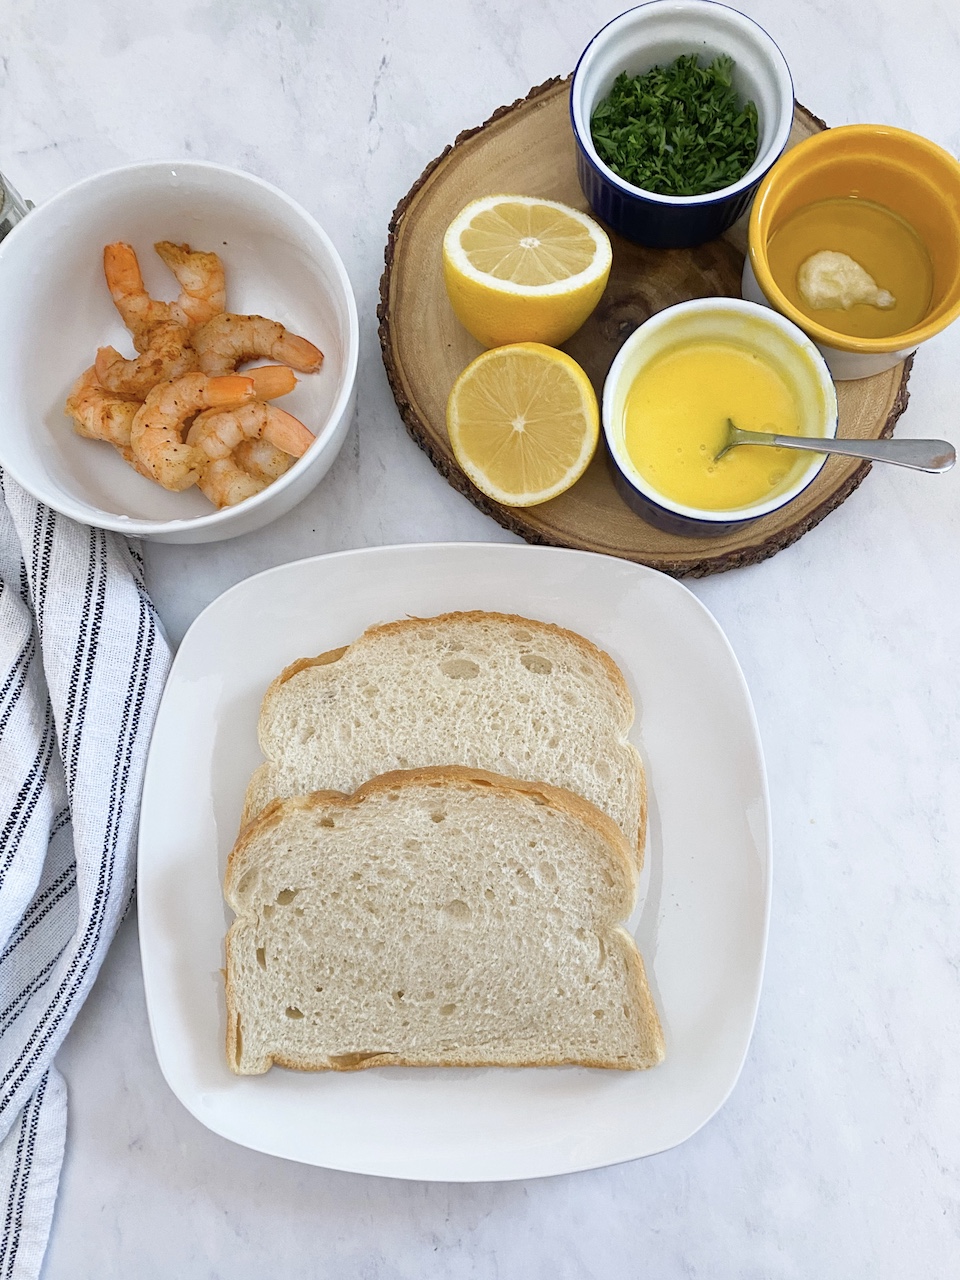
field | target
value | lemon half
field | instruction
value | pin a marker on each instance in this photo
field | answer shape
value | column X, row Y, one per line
column 523, row 423
column 521, row 269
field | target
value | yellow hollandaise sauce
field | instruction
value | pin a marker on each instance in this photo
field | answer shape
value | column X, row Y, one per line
column 675, row 423
column 876, row 238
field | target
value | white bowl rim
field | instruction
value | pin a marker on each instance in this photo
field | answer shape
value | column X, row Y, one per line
column 765, row 316
column 760, row 165
column 135, row 527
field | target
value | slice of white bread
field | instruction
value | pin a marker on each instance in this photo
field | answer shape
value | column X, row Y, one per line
column 436, row 917
column 487, row 690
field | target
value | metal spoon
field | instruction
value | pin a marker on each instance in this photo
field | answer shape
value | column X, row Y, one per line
column 920, row 455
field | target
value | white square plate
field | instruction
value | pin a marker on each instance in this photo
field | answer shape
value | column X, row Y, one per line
column 705, row 892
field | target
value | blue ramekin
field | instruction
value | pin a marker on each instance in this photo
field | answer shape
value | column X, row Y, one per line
column 654, row 34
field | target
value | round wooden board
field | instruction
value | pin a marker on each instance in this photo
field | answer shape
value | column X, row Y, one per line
column 528, row 148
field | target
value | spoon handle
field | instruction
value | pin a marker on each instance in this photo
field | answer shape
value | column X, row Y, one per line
column 921, row 455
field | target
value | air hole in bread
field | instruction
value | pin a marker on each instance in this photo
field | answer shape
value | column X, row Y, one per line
column 438, row 816
column 447, row 1010
column 455, row 646
column 553, row 743
column 268, row 910
column 603, row 952
column 548, row 873
column 538, row 664
column 327, row 822
column 245, row 882
column 412, row 845
column 370, row 691
column 355, row 875
column 262, row 957
column 598, row 1014
column 457, row 910
column 525, row 882
column 293, row 1012
column 429, row 995
column 489, row 895
column 286, row 896
column 603, row 771
column 523, row 636
column 398, row 996
column 425, row 634
column 355, row 1059
column 327, row 659
column 460, row 668
column 393, row 795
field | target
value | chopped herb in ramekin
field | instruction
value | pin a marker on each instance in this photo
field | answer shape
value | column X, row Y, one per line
column 678, row 130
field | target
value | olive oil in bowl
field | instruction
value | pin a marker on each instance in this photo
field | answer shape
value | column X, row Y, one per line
column 882, row 242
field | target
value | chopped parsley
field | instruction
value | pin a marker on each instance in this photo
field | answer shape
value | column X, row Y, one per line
column 678, row 130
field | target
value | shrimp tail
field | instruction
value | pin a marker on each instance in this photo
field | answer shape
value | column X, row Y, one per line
column 286, row 432
column 139, row 312
column 272, row 380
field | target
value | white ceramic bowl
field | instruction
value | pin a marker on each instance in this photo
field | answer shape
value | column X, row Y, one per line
column 655, row 34
column 703, row 320
column 55, row 312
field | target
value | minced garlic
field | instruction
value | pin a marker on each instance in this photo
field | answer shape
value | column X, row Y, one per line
column 834, row 280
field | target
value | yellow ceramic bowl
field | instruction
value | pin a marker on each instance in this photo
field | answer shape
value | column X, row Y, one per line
column 908, row 174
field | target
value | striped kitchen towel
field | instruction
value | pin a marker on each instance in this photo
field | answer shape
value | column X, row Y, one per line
column 82, row 665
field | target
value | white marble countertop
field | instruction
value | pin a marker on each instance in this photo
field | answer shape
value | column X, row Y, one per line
column 838, row 1153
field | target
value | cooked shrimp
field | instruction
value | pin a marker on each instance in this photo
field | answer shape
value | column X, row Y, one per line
column 271, row 380
column 127, row 454
column 168, row 355
column 218, row 431
column 157, row 432
column 225, row 483
column 97, row 414
column 228, row 340
column 203, row 290
column 139, row 312
column 262, row 459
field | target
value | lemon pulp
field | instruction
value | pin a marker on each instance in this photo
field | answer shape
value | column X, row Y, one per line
column 529, row 244
column 675, row 423
column 523, row 423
